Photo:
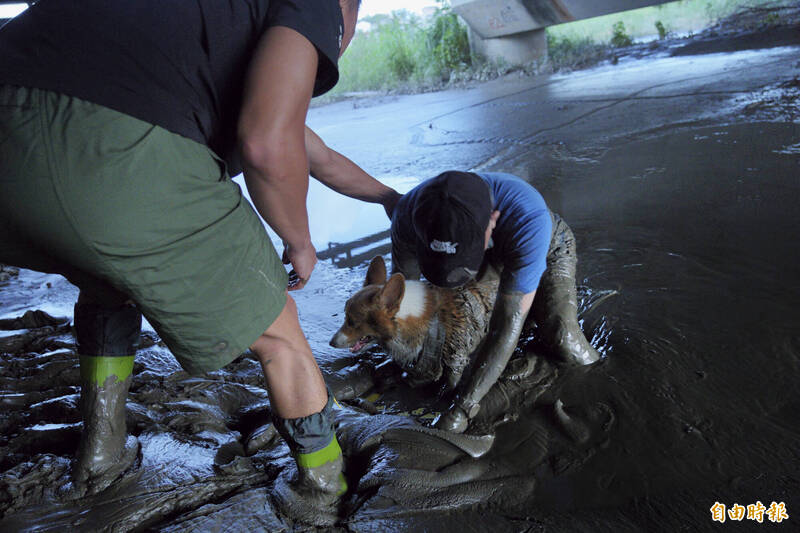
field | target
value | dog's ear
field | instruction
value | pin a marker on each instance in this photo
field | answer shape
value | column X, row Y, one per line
column 376, row 273
column 392, row 293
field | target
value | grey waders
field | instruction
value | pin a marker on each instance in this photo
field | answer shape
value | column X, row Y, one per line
column 555, row 308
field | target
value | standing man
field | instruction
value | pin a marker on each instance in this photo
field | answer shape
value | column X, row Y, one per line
column 447, row 227
column 121, row 123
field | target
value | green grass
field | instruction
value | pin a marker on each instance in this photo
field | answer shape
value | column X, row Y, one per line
column 682, row 17
column 404, row 53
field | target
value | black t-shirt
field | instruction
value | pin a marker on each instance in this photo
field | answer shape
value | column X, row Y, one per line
column 178, row 64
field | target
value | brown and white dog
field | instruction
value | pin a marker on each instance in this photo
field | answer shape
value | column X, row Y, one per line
column 430, row 331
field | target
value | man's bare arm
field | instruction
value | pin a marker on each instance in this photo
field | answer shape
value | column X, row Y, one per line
column 345, row 177
column 271, row 130
column 508, row 317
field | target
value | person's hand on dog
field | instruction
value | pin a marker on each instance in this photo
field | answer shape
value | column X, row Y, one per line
column 303, row 260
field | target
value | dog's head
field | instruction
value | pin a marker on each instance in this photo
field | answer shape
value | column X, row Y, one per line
column 369, row 313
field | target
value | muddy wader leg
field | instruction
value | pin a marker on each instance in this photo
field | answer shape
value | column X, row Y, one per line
column 106, row 340
column 555, row 307
column 313, row 495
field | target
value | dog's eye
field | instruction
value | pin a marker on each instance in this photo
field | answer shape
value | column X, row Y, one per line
column 349, row 322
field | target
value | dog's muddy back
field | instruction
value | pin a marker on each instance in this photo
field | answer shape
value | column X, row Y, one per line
column 432, row 332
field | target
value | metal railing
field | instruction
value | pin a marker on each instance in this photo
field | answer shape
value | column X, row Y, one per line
column 342, row 254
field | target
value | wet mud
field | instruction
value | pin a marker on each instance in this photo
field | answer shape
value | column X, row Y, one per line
column 679, row 178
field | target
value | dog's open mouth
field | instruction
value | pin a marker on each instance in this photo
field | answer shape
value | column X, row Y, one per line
column 362, row 344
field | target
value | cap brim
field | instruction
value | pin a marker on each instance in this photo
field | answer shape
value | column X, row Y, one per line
column 449, row 270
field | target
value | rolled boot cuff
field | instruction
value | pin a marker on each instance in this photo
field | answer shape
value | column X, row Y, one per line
column 328, row 454
column 308, row 434
column 107, row 332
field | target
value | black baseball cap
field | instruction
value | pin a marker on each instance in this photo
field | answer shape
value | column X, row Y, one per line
column 450, row 216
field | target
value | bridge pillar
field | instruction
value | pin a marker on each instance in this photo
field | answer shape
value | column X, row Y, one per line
column 506, row 29
column 516, row 49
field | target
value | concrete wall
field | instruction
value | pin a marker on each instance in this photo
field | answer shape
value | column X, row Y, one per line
column 514, row 29
column 516, row 49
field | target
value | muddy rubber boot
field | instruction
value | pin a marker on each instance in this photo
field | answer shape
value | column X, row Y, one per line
column 105, row 450
column 107, row 337
column 555, row 307
column 321, row 471
column 311, row 494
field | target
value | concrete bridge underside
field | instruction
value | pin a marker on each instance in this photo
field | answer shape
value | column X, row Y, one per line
column 513, row 30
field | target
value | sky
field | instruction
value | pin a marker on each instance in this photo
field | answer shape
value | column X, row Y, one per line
column 376, row 7
column 11, row 10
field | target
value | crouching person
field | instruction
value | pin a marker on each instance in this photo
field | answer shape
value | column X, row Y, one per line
column 450, row 226
column 115, row 165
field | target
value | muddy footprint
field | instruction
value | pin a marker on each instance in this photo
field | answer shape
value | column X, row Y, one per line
column 588, row 429
column 583, row 428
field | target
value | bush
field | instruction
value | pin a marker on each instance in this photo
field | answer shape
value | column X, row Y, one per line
column 448, row 43
column 662, row 31
column 573, row 52
column 400, row 58
column 619, row 37
column 400, row 50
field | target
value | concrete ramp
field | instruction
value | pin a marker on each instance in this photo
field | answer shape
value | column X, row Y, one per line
column 513, row 30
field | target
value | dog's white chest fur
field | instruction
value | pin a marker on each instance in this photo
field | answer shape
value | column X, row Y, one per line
column 413, row 303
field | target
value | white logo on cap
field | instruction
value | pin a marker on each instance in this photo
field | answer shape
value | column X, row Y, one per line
column 446, row 247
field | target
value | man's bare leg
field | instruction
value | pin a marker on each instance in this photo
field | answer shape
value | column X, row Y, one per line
column 303, row 415
column 294, row 381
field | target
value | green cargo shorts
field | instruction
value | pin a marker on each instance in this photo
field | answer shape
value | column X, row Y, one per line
column 127, row 210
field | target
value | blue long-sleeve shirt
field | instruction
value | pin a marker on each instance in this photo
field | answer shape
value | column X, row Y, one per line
column 520, row 240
